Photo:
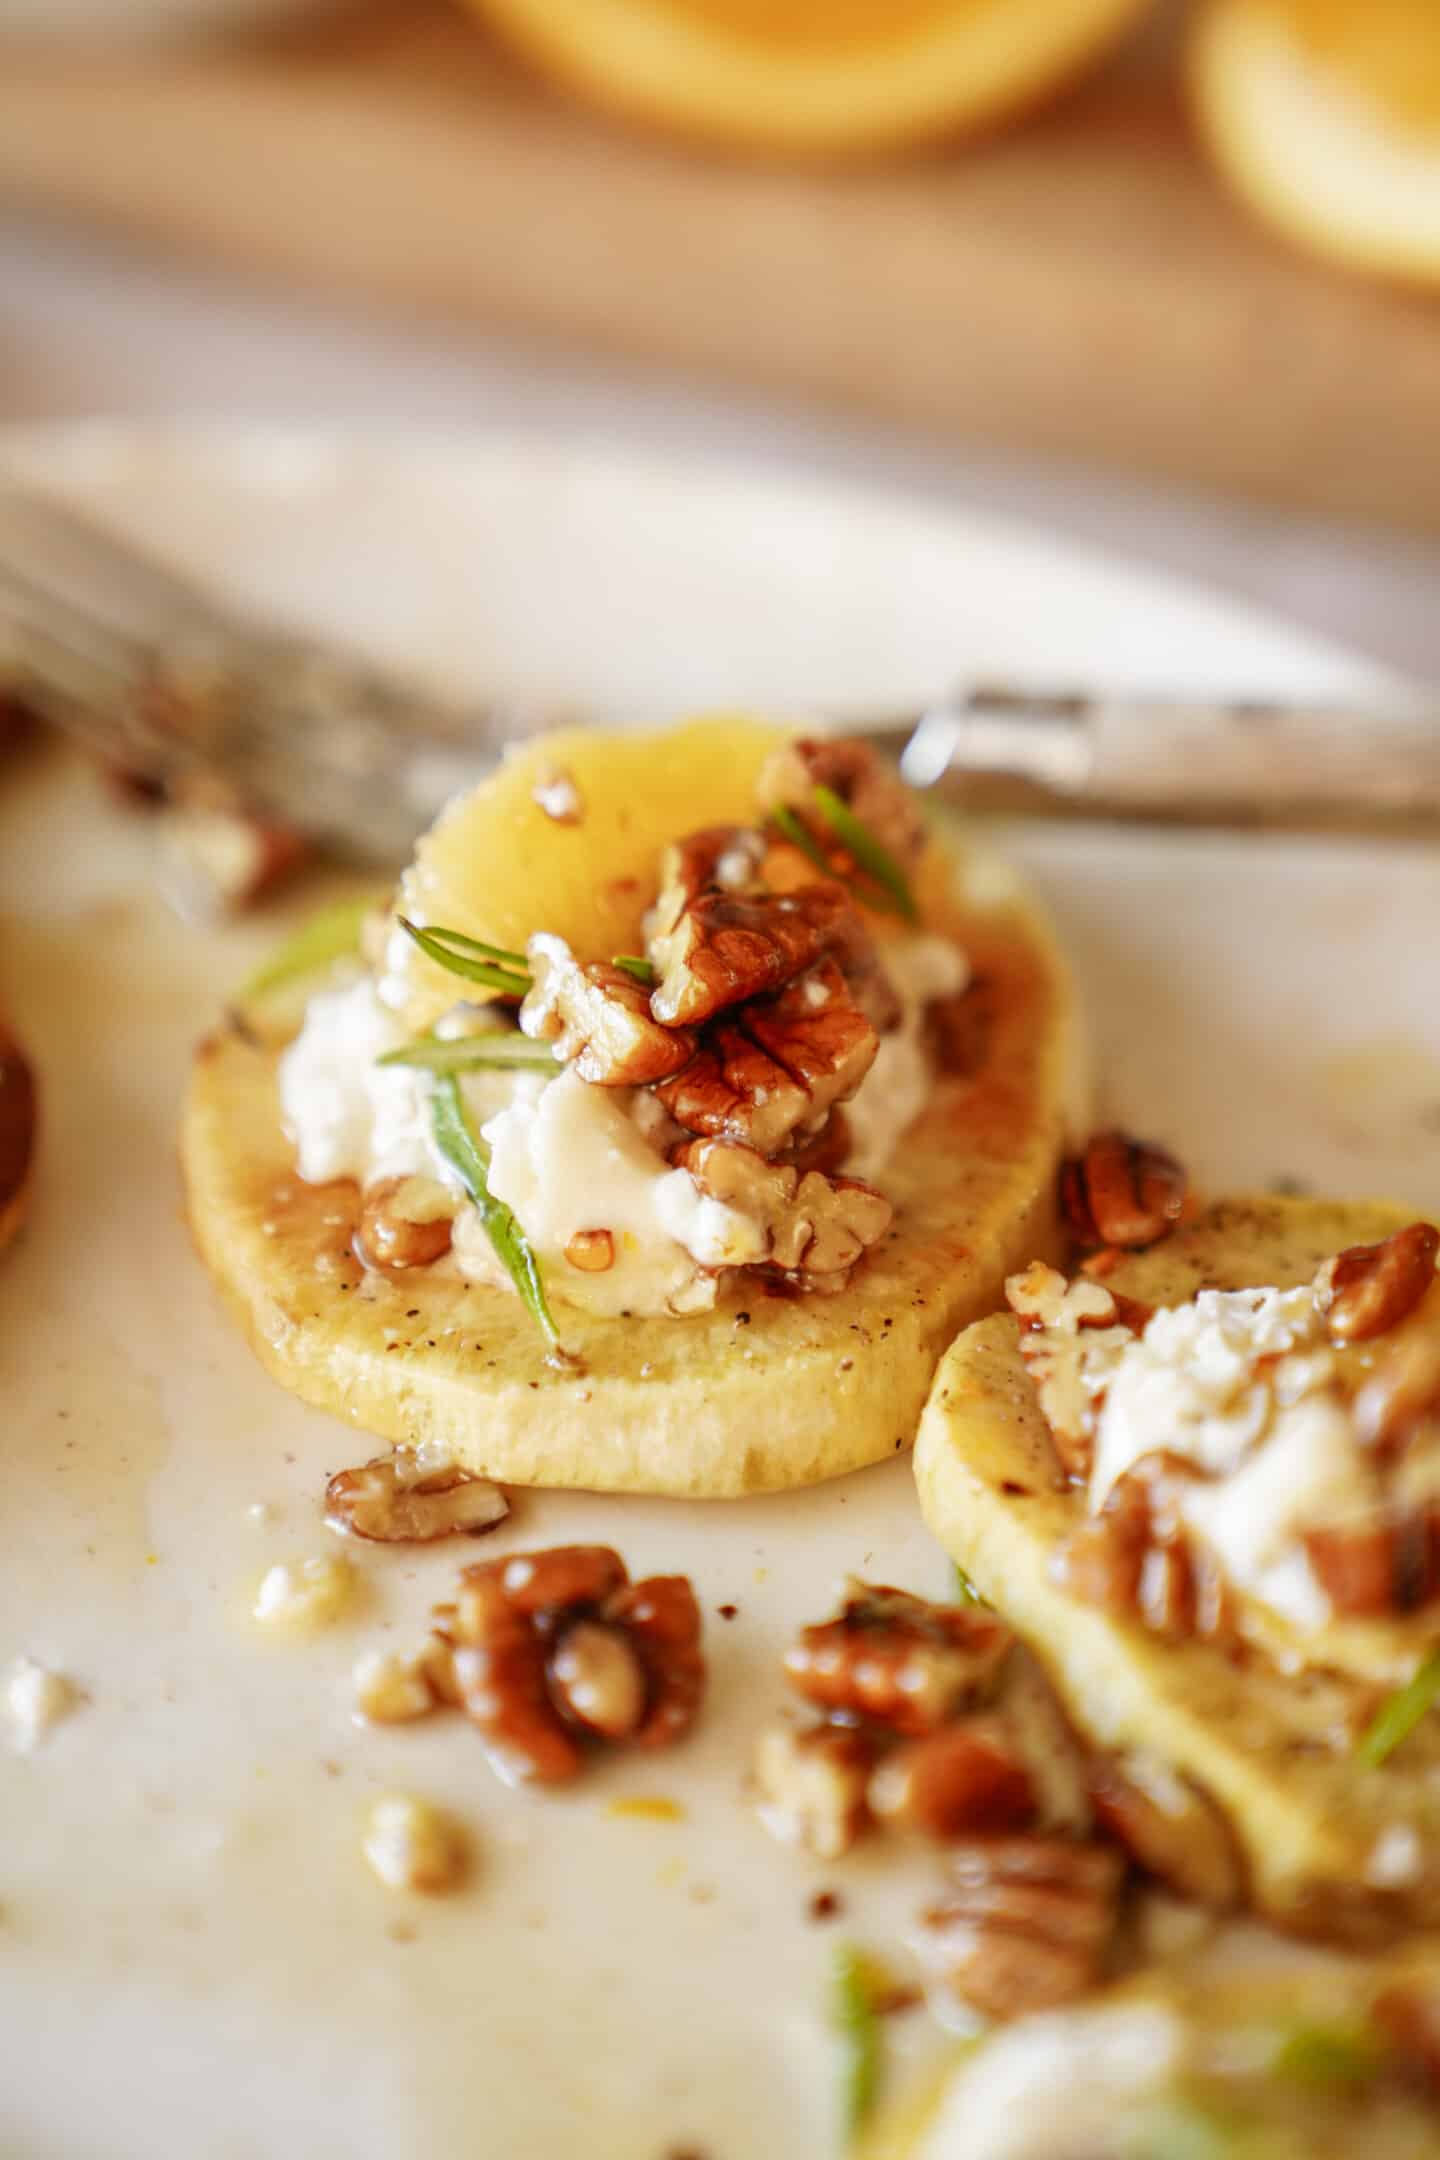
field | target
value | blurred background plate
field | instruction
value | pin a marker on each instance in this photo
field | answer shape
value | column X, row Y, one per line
column 181, row 1877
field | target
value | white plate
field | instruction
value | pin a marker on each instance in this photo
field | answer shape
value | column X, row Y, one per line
column 193, row 1959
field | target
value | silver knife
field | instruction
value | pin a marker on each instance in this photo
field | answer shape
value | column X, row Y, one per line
column 159, row 676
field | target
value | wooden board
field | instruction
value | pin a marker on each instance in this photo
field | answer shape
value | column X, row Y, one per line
column 1081, row 286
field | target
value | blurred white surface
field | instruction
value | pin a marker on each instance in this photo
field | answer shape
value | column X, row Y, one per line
column 85, row 330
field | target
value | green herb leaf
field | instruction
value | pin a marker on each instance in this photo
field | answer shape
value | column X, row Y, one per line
column 1399, row 1714
column 876, row 861
column 797, row 832
column 634, row 965
column 466, row 1152
column 330, row 934
column 857, row 2026
column 497, row 1049
column 468, row 957
column 965, row 1590
column 1321, row 2055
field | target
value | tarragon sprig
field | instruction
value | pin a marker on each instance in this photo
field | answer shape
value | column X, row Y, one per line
column 856, row 2023
column 495, row 1050
column 888, row 887
column 874, row 859
column 1399, row 1714
column 633, row 964
column 467, row 1153
column 490, row 965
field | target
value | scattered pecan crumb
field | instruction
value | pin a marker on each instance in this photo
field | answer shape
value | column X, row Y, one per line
column 727, row 1612
column 412, row 1845
column 825, row 1905
column 405, row 1222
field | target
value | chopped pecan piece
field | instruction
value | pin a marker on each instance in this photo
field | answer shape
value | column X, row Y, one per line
column 598, row 1018
column 1068, row 1331
column 395, row 1500
column 1401, row 1399
column 1355, row 1565
column 598, row 1679
column 965, row 1779
column 897, row 1661
column 1121, row 1192
column 550, row 1649
column 405, row 1222
column 1369, row 1289
column 591, row 1251
column 717, row 859
column 1168, row 1826
column 851, row 769
column 811, row 1786
column 1027, row 1924
column 727, row 947
column 781, row 1063
column 815, row 1227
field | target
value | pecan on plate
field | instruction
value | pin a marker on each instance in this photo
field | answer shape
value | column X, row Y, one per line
column 405, row 1222
column 815, row 1228
column 779, row 1064
column 852, row 769
column 395, row 1499
column 1369, row 1289
column 598, row 1018
column 1027, row 1923
column 1121, row 1192
column 726, row 947
column 966, row 1779
column 553, row 1650
column 893, row 1660
column 811, row 1785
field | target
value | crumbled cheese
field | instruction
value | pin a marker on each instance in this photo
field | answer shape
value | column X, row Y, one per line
column 411, row 1845
column 36, row 1699
column 898, row 1084
column 392, row 1689
column 569, row 1157
column 574, row 1159
column 1277, row 1446
column 1054, row 2086
column 350, row 1117
column 1396, row 1859
column 302, row 1595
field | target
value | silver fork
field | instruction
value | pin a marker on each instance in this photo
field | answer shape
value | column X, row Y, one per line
column 157, row 675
